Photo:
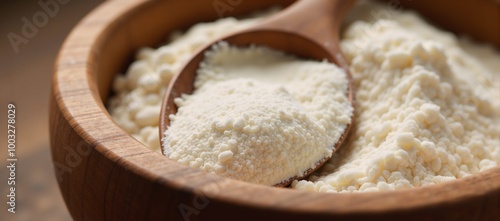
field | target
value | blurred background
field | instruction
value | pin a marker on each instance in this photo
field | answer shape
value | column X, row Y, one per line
column 25, row 80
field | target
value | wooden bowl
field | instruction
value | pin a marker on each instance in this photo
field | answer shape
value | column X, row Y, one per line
column 105, row 174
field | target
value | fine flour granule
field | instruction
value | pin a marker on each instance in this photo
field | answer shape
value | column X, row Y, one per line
column 259, row 115
column 427, row 108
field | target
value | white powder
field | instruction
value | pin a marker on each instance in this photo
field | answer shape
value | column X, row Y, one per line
column 427, row 108
column 259, row 115
column 136, row 104
column 407, row 74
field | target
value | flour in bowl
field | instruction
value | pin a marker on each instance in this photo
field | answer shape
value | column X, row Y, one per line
column 427, row 111
column 428, row 108
column 259, row 115
column 136, row 104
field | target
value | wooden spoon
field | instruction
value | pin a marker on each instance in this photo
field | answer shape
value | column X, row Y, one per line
column 308, row 29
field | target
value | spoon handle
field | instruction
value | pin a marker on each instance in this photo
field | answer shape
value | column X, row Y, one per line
column 319, row 20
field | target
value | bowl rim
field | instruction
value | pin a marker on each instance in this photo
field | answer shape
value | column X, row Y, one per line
column 176, row 176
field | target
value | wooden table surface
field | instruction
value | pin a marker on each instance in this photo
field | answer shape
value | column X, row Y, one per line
column 25, row 79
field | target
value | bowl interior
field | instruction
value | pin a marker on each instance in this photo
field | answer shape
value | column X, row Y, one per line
column 148, row 25
column 152, row 28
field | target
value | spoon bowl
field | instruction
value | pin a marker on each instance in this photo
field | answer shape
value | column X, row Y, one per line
column 294, row 31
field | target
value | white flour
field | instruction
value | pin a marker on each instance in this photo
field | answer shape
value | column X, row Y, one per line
column 428, row 104
column 136, row 104
column 259, row 115
column 427, row 109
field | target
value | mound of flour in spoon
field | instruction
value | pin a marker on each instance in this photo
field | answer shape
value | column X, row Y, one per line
column 259, row 115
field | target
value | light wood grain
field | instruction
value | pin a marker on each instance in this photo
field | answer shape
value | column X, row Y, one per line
column 121, row 179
